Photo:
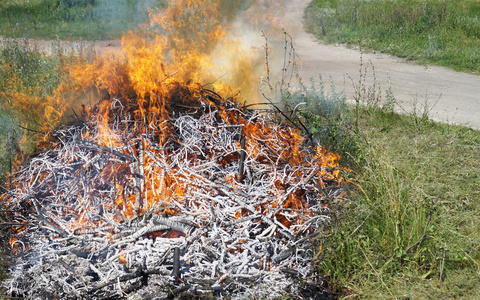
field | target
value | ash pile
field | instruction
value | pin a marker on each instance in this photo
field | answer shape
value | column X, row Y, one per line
column 194, row 196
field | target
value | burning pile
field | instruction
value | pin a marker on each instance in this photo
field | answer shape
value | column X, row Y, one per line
column 213, row 199
column 165, row 188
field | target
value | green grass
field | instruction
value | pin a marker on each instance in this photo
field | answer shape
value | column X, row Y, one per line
column 401, row 165
column 440, row 32
column 398, row 185
column 73, row 19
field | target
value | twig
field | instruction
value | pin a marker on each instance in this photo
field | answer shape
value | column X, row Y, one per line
column 358, row 227
column 9, row 297
column 139, row 178
column 266, row 61
column 285, row 116
column 241, row 163
column 425, row 228
column 176, row 265
column 13, row 224
column 443, row 261
column 106, row 149
column 31, row 130
column 126, row 278
column 288, row 59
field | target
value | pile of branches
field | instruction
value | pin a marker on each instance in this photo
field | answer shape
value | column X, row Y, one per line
column 211, row 199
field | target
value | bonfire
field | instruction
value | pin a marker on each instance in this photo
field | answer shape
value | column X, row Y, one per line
column 167, row 189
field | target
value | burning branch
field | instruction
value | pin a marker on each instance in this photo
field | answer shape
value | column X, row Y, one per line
column 140, row 203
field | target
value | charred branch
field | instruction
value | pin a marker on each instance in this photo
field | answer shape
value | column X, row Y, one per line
column 209, row 202
column 107, row 149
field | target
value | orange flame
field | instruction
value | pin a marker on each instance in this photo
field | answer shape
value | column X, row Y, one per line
column 155, row 72
column 122, row 258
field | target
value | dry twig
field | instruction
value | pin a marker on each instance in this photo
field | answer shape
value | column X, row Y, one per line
column 100, row 225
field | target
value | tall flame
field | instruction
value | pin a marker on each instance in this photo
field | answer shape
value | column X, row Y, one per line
column 218, row 43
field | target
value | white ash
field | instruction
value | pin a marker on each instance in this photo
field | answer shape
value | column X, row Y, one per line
column 79, row 243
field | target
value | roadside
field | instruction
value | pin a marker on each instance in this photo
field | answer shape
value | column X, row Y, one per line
column 409, row 230
column 452, row 97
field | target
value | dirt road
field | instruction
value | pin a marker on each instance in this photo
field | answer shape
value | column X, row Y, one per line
column 455, row 96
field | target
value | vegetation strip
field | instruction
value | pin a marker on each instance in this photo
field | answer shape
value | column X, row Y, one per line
column 401, row 164
column 73, row 19
column 438, row 32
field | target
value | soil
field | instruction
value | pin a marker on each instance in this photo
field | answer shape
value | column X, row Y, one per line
column 447, row 95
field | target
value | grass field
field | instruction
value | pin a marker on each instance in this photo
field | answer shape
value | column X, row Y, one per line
column 441, row 32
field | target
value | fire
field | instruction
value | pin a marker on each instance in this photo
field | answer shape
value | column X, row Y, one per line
column 168, row 158
column 122, row 258
column 192, row 41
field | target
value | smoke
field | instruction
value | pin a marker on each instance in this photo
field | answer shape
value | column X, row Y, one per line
column 118, row 15
column 267, row 49
column 236, row 42
column 230, row 47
